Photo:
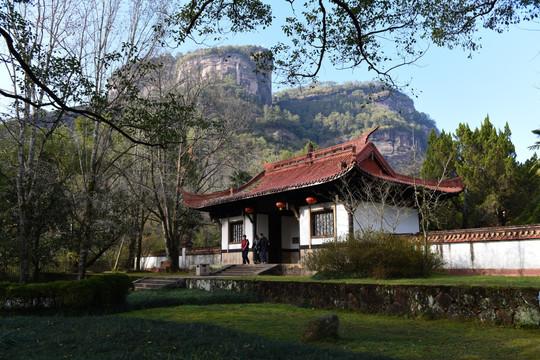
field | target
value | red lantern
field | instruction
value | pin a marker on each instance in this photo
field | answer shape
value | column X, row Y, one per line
column 281, row 205
column 311, row 200
column 249, row 210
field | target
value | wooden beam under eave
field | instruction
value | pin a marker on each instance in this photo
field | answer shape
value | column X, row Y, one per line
column 293, row 209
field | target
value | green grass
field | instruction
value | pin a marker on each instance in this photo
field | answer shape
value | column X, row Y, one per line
column 434, row 280
column 251, row 331
column 162, row 297
column 396, row 337
column 115, row 337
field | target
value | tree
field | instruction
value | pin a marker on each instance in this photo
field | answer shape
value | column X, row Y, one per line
column 525, row 205
column 486, row 163
column 380, row 35
column 32, row 42
column 99, row 198
column 440, row 162
column 536, row 145
column 239, row 177
column 62, row 55
column 485, row 160
column 373, row 204
column 204, row 122
column 427, row 201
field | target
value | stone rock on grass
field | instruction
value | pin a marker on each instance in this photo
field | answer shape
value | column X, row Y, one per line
column 320, row 328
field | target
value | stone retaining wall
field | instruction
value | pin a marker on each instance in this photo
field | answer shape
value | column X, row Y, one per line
column 486, row 304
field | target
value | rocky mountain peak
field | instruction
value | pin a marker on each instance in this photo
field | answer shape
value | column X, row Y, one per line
column 232, row 61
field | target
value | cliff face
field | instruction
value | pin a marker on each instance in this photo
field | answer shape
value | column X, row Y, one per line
column 400, row 149
column 327, row 115
column 223, row 62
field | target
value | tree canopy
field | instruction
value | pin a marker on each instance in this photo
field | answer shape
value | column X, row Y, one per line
column 486, row 161
column 378, row 34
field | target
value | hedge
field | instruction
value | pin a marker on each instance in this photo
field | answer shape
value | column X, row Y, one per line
column 102, row 293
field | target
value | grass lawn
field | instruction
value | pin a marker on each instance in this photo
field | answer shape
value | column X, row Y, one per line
column 433, row 280
column 204, row 327
column 396, row 337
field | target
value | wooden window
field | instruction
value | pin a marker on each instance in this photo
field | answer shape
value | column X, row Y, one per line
column 236, row 230
column 322, row 223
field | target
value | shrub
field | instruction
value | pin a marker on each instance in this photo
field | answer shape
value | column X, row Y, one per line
column 372, row 254
column 98, row 293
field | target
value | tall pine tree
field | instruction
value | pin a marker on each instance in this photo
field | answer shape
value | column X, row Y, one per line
column 485, row 159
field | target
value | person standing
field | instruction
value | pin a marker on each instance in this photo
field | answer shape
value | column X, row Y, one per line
column 264, row 244
column 245, row 249
column 256, row 250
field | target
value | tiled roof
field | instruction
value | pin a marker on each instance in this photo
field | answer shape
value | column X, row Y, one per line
column 519, row 232
column 319, row 167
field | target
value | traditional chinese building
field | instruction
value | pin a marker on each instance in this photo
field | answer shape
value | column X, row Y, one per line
column 302, row 202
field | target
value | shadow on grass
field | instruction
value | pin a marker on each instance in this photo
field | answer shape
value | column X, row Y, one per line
column 114, row 337
column 148, row 299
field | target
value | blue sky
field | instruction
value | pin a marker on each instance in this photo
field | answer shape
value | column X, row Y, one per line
column 501, row 80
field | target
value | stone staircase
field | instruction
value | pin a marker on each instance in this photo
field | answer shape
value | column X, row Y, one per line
column 246, row 270
column 157, row 282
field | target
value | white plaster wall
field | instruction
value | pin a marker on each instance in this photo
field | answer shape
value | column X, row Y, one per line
column 224, row 233
column 342, row 221
column 262, row 224
column 377, row 216
column 152, row 262
column 289, row 229
column 455, row 256
column 304, row 225
column 401, row 220
column 248, row 230
column 519, row 254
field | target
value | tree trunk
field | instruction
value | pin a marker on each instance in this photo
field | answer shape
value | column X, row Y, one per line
column 139, row 251
column 133, row 235
column 350, row 218
column 89, row 207
column 22, row 205
column 173, row 254
column 35, row 259
column 425, row 234
column 24, row 266
column 464, row 213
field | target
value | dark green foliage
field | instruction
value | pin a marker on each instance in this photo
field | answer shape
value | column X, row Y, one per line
column 239, row 177
column 158, row 298
column 500, row 191
column 526, row 201
column 372, row 254
column 486, row 163
column 98, row 293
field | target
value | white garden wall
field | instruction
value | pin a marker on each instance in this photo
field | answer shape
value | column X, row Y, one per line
column 497, row 251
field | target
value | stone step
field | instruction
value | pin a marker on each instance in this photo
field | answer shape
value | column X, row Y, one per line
column 154, row 282
column 245, row 270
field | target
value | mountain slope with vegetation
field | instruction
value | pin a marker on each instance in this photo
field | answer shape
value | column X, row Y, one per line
column 324, row 114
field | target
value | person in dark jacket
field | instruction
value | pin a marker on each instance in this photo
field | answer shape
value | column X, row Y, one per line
column 256, row 250
column 264, row 244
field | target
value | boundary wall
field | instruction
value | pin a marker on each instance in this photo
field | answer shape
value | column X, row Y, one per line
column 498, row 305
column 508, row 250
